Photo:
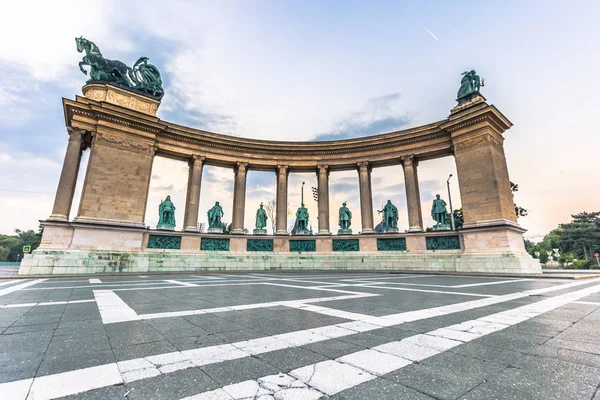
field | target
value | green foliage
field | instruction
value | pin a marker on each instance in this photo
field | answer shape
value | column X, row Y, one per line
column 544, row 257
column 459, row 218
column 4, row 252
column 528, row 245
column 519, row 211
column 581, row 236
column 579, row 264
column 14, row 243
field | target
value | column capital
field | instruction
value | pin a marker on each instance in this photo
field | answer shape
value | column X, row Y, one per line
column 323, row 169
column 241, row 166
column 196, row 160
column 75, row 134
column 363, row 165
column 283, row 169
column 409, row 159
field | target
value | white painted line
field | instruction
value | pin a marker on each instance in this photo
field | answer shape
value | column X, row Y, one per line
column 95, row 280
column 142, row 276
column 12, row 289
column 73, row 382
column 426, row 291
column 331, row 377
column 491, row 283
column 207, row 277
column 589, row 303
column 63, row 383
column 112, row 308
column 9, row 281
column 47, row 303
column 16, row 390
column 180, row 283
column 288, row 303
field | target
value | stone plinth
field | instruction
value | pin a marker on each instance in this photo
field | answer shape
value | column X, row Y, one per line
column 344, row 231
column 215, row 230
column 121, row 97
column 259, row 231
column 390, row 230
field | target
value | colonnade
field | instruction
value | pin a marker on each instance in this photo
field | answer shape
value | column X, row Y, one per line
column 68, row 179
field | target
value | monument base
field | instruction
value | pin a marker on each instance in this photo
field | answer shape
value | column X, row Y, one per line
column 441, row 227
column 303, row 232
column 258, row 231
column 344, row 231
column 215, row 230
column 390, row 230
column 162, row 227
column 75, row 248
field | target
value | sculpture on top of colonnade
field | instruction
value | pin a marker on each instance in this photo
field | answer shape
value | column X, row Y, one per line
column 215, row 225
column 143, row 77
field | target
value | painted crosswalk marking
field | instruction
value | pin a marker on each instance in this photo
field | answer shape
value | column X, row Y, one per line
column 145, row 367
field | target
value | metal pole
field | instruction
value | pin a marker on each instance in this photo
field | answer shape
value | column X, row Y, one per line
column 302, row 194
column 450, row 200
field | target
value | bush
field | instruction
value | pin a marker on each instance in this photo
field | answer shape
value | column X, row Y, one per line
column 579, row 264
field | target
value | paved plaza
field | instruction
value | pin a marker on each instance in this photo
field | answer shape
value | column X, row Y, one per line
column 299, row 336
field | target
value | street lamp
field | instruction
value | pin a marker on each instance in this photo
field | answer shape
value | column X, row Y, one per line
column 302, row 194
column 450, row 200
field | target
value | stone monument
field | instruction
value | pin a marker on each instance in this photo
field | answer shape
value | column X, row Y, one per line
column 345, row 220
column 302, row 221
column 390, row 217
column 261, row 221
column 215, row 225
column 166, row 215
column 440, row 214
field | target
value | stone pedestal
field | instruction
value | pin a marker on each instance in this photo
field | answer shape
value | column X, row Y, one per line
column 163, row 227
column 344, row 231
column 302, row 232
column 121, row 97
column 259, row 231
column 390, row 230
column 442, row 227
column 215, row 230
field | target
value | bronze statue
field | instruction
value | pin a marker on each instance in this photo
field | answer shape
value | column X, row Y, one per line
column 440, row 214
column 302, row 220
column 470, row 83
column 214, row 218
column 344, row 220
column 143, row 77
column 261, row 221
column 390, row 217
column 166, row 215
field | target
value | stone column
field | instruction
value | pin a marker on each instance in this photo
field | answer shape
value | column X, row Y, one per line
column 239, row 198
column 68, row 176
column 413, row 197
column 282, row 195
column 323, row 185
column 193, row 194
column 366, row 197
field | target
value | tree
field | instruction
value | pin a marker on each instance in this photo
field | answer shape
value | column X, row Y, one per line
column 519, row 211
column 459, row 218
column 4, row 252
column 528, row 245
column 582, row 235
column 15, row 243
column 271, row 209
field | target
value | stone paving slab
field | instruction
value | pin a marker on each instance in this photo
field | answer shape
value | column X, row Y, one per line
column 56, row 340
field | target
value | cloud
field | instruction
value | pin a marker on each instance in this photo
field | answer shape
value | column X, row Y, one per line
column 379, row 115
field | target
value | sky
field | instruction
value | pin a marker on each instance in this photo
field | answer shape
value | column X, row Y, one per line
column 313, row 70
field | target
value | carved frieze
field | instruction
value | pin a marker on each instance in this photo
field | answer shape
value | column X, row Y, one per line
column 164, row 242
column 345, row 245
column 484, row 139
column 392, row 244
column 442, row 243
column 125, row 142
column 259, row 245
column 214, row 244
column 303, row 245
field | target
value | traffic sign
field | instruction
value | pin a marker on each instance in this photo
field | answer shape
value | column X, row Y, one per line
column 26, row 249
column 596, row 255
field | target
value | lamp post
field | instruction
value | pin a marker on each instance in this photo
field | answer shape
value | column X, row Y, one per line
column 450, row 200
column 302, row 195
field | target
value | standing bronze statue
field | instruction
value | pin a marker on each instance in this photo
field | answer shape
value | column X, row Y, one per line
column 302, row 221
column 166, row 215
column 440, row 214
column 344, row 220
column 470, row 83
column 390, row 217
column 261, row 221
column 214, row 219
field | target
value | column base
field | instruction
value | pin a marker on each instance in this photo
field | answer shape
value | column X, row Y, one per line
column 367, row 231
column 415, row 229
column 237, row 231
column 58, row 217
column 324, row 232
column 191, row 229
column 281, row 233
